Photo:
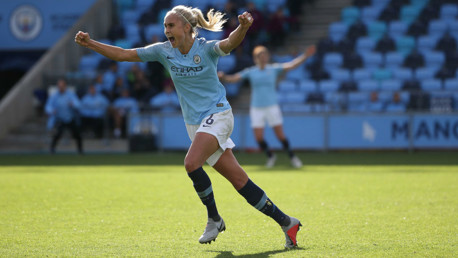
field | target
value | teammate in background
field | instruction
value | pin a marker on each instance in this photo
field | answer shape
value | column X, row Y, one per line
column 264, row 105
column 94, row 106
column 120, row 110
column 191, row 62
column 167, row 100
column 62, row 108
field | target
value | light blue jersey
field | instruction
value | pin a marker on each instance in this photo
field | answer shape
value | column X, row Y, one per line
column 194, row 75
column 263, row 84
column 94, row 105
column 63, row 106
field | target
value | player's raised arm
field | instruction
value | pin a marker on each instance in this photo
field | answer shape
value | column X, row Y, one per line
column 236, row 37
column 293, row 64
column 112, row 52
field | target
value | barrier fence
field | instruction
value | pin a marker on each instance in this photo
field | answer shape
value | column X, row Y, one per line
column 321, row 132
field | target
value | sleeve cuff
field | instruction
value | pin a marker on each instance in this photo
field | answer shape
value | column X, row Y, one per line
column 219, row 51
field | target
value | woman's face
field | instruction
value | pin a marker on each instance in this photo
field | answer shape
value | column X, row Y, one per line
column 175, row 30
column 261, row 58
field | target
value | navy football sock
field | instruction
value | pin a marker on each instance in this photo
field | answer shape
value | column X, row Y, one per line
column 264, row 147
column 258, row 199
column 203, row 186
column 285, row 144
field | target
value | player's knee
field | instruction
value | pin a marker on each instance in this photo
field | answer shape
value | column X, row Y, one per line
column 191, row 164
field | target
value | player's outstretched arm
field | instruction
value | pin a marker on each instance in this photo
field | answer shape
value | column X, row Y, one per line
column 293, row 64
column 236, row 37
column 111, row 52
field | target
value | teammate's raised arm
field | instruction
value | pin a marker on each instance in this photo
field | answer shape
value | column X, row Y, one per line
column 112, row 52
column 293, row 64
column 230, row 78
column 236, row 37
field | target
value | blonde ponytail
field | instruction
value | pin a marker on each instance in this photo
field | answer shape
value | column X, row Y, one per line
column 215, row 20
column 196, row 19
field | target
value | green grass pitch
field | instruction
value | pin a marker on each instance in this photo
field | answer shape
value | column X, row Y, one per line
column 385, row 204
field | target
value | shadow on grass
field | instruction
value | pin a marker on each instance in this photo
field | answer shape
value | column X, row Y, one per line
column 223, row 254
column 245, row 159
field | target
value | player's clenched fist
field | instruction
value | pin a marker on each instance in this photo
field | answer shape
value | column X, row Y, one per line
column 82, row 38
column 245, row 19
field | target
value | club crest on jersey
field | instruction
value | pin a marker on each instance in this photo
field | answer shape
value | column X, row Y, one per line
column 197, row 59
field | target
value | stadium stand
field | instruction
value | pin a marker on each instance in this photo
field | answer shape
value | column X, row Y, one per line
column 385, row 47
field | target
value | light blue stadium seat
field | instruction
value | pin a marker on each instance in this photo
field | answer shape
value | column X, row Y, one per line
column 181, row 2
column 425, row 73
column 350, row 14
column 403, row 74
column 88, row 65
column 335, row 100
column 305, row 108
column 357, row 97
column 391, row 85
column 130, row 17
column 431, row 85
column 387, row 96
column 395, row 108
column 370, row 13
column 382, row 74
column 437, row 28
column 286, row 86
column 365, row 44
column 419, row 3
column 380, row 3
column 124, row 43
column 154, row 30
column 328, row 86
column 358, row 107
column 376, row 29
column 294, row 97
column 307, row 86
column 449, row 12
column 272, row 5
column 409, row 13
column 123, row 67
column 226, row 63
column 282, row 58
column 144, row 4
column 453, row 27
column 337, row 31
column 124, row 5
column 368, row 85
column 297, row 74
column 434, row 58
column 161, row 16
column 132, row 32
column 397, row 29
column 394, row 60
column 219, row 4
column 372, row 59
column 201, row 4
column 362, row 74
column 405, row 44
column 340, row 75
column 332, row 60
column 455, row 98
column 426, row 43
column 451, row 85
column 211, row 35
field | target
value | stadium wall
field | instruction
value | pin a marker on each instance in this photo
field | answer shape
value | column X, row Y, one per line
column 322, row 132
column 18, row 105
